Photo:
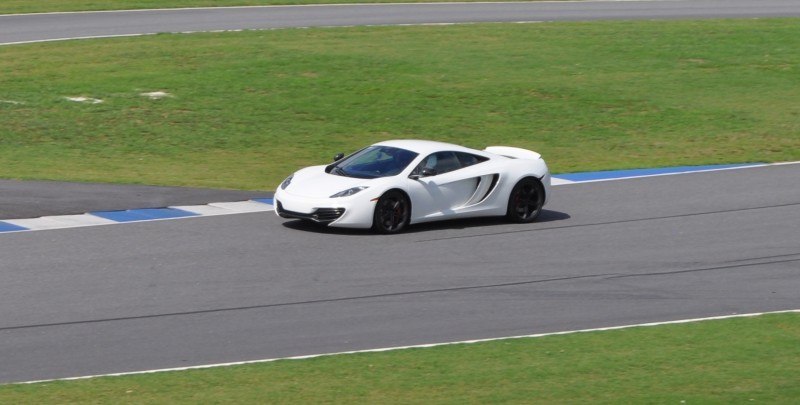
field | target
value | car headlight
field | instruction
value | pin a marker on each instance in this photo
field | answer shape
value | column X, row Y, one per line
column 286, row 182
column 348, row 192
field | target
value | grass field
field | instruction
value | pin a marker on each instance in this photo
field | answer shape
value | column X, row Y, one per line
column 246, row 109
column 42, row 6
column 739, row 360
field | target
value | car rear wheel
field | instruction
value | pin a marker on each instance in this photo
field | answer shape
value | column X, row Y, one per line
column 392, row 213
column 525, row 201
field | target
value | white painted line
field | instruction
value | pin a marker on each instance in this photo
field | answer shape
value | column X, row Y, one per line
column 555, row 181
column 35, row 224
column 205, row 210
column 243, row 206
column 786, row 163
column 59, row 222
column 422, row 346
column 36, row 41
column 673, row 174
column 84, row 220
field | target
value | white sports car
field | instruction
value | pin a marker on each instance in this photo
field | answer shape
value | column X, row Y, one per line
column 392, row 184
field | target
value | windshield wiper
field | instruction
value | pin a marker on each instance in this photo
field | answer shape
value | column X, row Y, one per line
column 339, row 171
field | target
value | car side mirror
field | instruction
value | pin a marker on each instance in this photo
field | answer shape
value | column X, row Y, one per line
column 338, row 157
column 424, row 173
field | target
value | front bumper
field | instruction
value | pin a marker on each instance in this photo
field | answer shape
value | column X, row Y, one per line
column 319, row 215
column 347, row 212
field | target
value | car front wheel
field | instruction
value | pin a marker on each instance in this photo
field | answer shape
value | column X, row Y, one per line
column 392, row 213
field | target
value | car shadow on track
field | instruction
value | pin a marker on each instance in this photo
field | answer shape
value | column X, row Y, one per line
column 467, row 223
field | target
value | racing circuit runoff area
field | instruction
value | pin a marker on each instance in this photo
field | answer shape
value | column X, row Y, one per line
column 220, row 289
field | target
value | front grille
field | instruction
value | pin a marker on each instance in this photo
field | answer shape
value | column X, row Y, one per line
column 321, row 215
column 327, row 214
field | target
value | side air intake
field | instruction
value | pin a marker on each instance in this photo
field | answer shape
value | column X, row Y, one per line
column 486, row 184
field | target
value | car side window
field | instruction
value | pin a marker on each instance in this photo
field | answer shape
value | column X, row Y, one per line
column 427, row 163
column 441, row 162
column 468, row 159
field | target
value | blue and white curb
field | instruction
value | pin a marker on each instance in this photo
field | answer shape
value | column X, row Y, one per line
column 137, row 215
column 266, row 204
column 587, row 177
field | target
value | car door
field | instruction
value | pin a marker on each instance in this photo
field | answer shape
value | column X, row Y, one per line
column 443, row 190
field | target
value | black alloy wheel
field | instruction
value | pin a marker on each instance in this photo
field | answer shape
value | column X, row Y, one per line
column 392, row 213
column 525, row 201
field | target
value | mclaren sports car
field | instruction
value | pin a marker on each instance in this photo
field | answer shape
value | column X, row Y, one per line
column 391, row 185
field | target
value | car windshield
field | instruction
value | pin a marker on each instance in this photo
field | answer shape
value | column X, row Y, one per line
column 373, row 162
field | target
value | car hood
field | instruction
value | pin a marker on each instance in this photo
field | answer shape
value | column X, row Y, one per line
column 315, row 183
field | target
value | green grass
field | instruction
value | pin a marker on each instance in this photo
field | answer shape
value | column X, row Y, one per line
column 42, row 6
column 739, row 360
column 249, row 108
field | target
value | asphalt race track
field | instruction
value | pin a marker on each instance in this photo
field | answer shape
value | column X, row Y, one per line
column 43, row 27
column 242, row 287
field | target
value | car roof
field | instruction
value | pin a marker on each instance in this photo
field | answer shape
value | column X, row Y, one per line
column 425, row 147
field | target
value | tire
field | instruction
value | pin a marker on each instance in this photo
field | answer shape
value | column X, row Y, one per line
column 525, row 201
column 392, row 213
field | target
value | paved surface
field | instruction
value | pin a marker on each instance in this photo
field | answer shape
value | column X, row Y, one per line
column 243, row 287
column 29, row 199
column 42, row 27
